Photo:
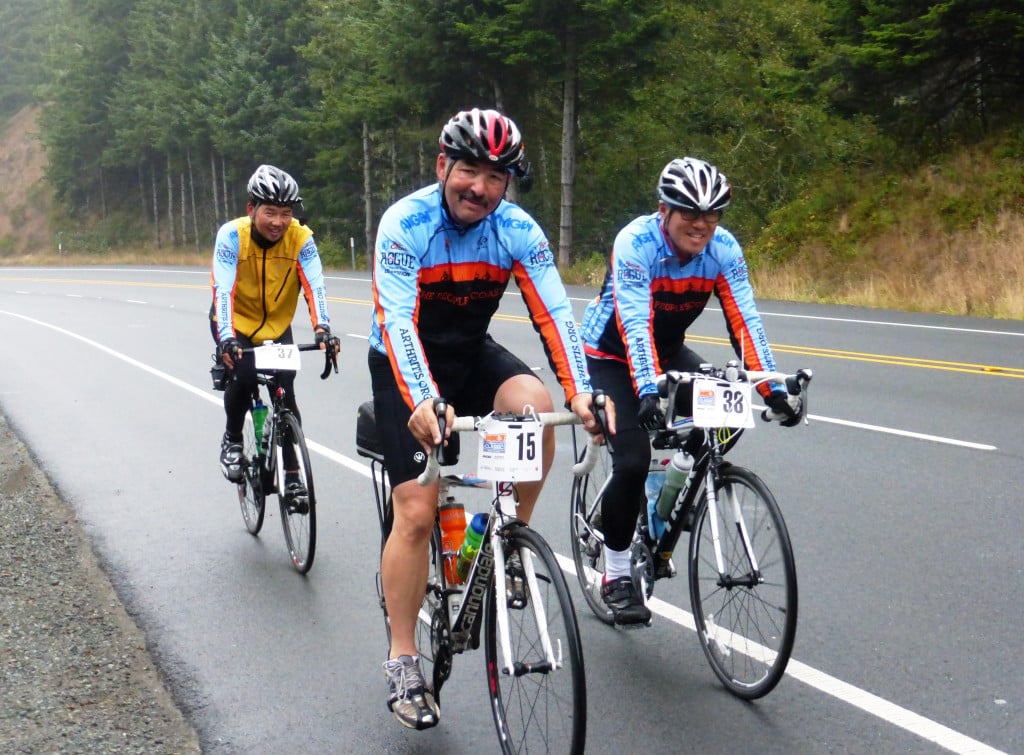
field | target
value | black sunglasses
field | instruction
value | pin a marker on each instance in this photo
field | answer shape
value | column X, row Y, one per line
column 691, row 214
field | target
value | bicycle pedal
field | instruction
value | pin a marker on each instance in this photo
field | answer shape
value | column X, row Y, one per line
column 634, row 625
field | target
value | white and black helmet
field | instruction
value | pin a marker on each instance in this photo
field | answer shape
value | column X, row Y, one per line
column 270, row 185
column 692, row 184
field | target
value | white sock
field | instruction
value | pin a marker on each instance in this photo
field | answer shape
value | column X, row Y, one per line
column 616, row 564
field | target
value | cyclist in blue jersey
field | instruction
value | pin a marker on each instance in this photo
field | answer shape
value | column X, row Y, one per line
column 261, row 263
column 443, row 258
column 662, row 272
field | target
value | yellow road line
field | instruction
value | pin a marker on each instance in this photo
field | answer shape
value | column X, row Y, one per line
column 899, row 361
column 857, row 356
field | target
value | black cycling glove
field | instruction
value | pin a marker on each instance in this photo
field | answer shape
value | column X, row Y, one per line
column 324, row 338
column 649, row 415
column 230, row 346
column 787, row 409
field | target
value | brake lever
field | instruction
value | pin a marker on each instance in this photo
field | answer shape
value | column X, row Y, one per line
column 330, row 359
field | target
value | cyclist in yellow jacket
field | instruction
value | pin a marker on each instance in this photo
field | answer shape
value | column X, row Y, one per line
column 261, row 263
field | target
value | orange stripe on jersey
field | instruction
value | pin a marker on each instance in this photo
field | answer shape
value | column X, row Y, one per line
column 738, row 326
column 683, row 285
column 546, row 325
column 625, row 342
column 378, row 313
column 307, row 291
column 462, row 272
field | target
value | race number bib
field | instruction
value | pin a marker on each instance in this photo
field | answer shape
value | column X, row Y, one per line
column 721, row 404
column 277, row 356
column 509, row 450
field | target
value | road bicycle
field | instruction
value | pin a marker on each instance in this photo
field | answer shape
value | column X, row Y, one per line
column 264, row 454
column 533, row 653
column 742, row 573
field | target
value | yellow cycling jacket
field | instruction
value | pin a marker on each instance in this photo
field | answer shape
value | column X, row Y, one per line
column 255, row 291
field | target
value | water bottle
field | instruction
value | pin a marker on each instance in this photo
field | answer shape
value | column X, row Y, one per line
column 655, row 481
column 259, row 417
column 453, row 532
column 471, row 544
column 675, row 479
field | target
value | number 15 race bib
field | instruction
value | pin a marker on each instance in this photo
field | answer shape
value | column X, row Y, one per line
column 510, row 450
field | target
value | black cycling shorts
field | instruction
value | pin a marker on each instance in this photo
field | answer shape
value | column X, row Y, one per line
column 467, row 381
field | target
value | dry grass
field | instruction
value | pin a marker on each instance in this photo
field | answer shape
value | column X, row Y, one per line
column 978, row 273
column 183, row 258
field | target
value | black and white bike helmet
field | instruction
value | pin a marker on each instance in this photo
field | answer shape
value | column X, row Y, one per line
column 486, row 136
column 692, row 184
column 270, row 185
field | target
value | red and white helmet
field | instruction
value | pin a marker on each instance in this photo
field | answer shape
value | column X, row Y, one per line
column 486, row 136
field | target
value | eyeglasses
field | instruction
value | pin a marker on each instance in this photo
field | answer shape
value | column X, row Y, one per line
column 690, row 214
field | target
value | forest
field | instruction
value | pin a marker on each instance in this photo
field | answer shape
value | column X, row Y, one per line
column 155, row 112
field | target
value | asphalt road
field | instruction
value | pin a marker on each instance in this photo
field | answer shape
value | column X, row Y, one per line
column 903, row 498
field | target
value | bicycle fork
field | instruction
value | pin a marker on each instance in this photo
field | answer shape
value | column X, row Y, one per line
column 519, row 668
column 724, row 579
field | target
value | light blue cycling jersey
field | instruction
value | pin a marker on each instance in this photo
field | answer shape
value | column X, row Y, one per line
column 649, row 299
column 436, row 286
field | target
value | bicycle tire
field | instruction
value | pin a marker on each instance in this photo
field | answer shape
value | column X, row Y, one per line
column 585, row 537
column 251, row 497
column 298, row 521
column 537, row 710
column 747, row 630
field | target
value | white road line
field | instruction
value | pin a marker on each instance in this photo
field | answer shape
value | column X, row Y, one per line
column 905, row 433
column 869, row 703
column 840, row 690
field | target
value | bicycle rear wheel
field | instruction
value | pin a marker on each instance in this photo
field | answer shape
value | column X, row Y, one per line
column 585, row 536
column 536, row 708
column 746, row 620
column 298, row 514
column 251, row 497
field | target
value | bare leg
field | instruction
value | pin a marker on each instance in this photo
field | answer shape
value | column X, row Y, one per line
column 514, row 395
column 404, row 563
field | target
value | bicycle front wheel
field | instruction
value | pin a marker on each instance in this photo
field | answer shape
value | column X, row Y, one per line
column 540, row 705
column 746, row 618
column 585, row 536
column 251, row 497
column 298, row 512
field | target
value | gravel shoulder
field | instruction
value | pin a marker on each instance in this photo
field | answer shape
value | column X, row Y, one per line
column 75, row 673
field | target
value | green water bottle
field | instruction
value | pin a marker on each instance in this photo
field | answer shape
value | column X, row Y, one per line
column 259, row 417
column 470, row 546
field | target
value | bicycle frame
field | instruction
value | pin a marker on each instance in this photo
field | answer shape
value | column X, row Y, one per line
column 271, row 453
column 488, row 568
column 466, row 602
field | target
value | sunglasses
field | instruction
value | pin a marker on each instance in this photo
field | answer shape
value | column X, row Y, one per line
column 690, row 214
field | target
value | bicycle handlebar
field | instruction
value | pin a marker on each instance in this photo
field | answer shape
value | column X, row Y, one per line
column 467, row 423
column 330, row 357
column 796, row 384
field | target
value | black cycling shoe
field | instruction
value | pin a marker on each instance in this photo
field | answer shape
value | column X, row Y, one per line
column 625, row 603
column 231, row 459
